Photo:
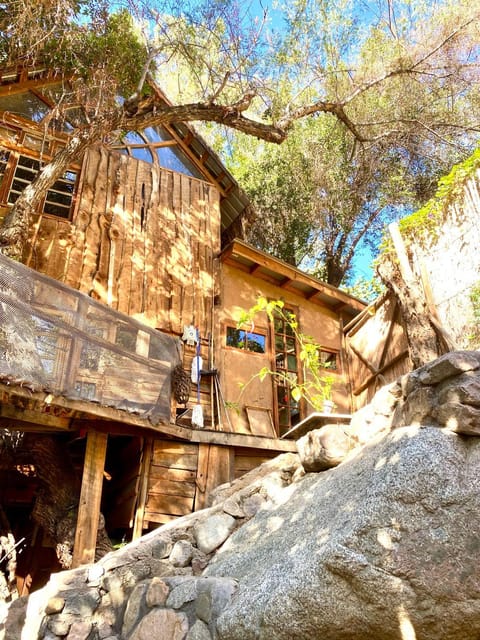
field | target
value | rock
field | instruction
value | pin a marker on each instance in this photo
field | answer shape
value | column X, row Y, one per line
column 181, row 554
column 213, row 531
column 199, row 631
column 136, row 607
column 460, row 418
column 252, row 504
column 184, row 592
column 157, row 593
column 55, row 605
column 95, row 573
column 383, row 547
column 161, row 548
column 450, row 364
column 80, row 630
column 323, row 448
column 161, row 623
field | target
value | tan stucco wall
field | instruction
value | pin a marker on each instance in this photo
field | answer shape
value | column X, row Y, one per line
column 239, row 291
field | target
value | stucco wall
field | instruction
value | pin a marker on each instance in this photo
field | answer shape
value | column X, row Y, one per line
column 239, row 292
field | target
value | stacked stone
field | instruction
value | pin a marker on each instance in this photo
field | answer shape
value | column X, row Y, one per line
column 152, row 587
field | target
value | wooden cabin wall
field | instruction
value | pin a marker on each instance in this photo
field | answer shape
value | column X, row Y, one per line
column 377, row 349
column 142, row 240
column 181, row 477
column 239, row 292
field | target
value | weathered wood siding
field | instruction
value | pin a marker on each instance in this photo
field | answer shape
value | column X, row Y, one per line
column 171, row 482
column 376, row 350
column 142, row 240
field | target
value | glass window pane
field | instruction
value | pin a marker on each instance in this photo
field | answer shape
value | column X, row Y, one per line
column 157, row 134
column 142, row 153
column 26, row 105
column 247, row 340
column 175, row 159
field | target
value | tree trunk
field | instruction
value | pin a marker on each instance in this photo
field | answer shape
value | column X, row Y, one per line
column 56, row 503
column 424, row 344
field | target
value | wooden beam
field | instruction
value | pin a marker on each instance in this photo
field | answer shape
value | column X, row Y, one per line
column 26, row 419
column 238, row 248
column 90, row 499
column 365, row 384
column 147, row 453
column 242, row 440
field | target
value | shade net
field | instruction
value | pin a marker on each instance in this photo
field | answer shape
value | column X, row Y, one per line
column 58, row 340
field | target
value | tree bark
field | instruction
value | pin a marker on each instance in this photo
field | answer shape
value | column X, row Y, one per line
column 424, row 344
column 56, row 503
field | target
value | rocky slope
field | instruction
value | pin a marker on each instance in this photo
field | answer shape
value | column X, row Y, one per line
column 383, row 546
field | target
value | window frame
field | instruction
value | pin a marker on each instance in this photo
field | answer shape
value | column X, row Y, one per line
column 10, row 175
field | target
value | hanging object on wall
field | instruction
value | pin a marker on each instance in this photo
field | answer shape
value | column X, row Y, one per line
column 197, row 364
column 197, row 412
column 190, row 335
column 180, row 384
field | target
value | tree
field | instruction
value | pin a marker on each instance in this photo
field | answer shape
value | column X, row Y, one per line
column 340, row 177
column 240, row 69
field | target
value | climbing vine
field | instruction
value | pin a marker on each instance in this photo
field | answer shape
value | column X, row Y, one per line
column 474, row 337
column 425, row 223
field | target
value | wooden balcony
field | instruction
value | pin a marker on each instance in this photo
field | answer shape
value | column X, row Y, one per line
column 56, row 342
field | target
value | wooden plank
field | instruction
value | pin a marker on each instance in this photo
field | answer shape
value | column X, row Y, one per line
column 173, row 505
column 176, row 460
column 157, row 472
column 166, row 487
column 159, row 518
column 215, row 467
column 139, row 520
column 175, row 447
column 90, row 498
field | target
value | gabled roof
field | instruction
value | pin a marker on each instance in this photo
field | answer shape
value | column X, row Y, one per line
column 234, row 203
column 265, row 267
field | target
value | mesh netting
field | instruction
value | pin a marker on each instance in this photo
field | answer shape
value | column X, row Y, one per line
column 55, row 339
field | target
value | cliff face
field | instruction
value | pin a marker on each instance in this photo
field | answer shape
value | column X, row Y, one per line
column 383, row 546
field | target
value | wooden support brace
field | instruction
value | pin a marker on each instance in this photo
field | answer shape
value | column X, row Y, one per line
column 90, row 498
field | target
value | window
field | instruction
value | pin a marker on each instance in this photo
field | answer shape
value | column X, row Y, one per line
column 246, row 340
column 4, row 155
column 329, row 359
column 287, row 409
column 59, row 198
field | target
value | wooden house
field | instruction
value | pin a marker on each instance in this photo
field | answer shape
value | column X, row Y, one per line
column 133, row 247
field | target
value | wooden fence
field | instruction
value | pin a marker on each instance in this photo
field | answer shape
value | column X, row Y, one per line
column 376, row 349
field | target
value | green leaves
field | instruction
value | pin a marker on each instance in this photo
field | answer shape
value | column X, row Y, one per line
column 314, row 385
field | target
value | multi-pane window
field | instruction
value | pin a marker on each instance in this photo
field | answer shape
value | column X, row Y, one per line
column 59, row 199
column 286, row 363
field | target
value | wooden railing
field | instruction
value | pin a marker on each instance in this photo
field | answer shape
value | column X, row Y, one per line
column 56, row 339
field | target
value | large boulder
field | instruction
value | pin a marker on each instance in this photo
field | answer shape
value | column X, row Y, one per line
column 385, row 546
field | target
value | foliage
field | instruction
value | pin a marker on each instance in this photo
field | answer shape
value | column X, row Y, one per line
column 314, row 385
column 474, row 337
column 424, row 224
column 367, row 290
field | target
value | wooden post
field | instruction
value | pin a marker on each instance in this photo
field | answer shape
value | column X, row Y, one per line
column 90, row 498
column 143, row 492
